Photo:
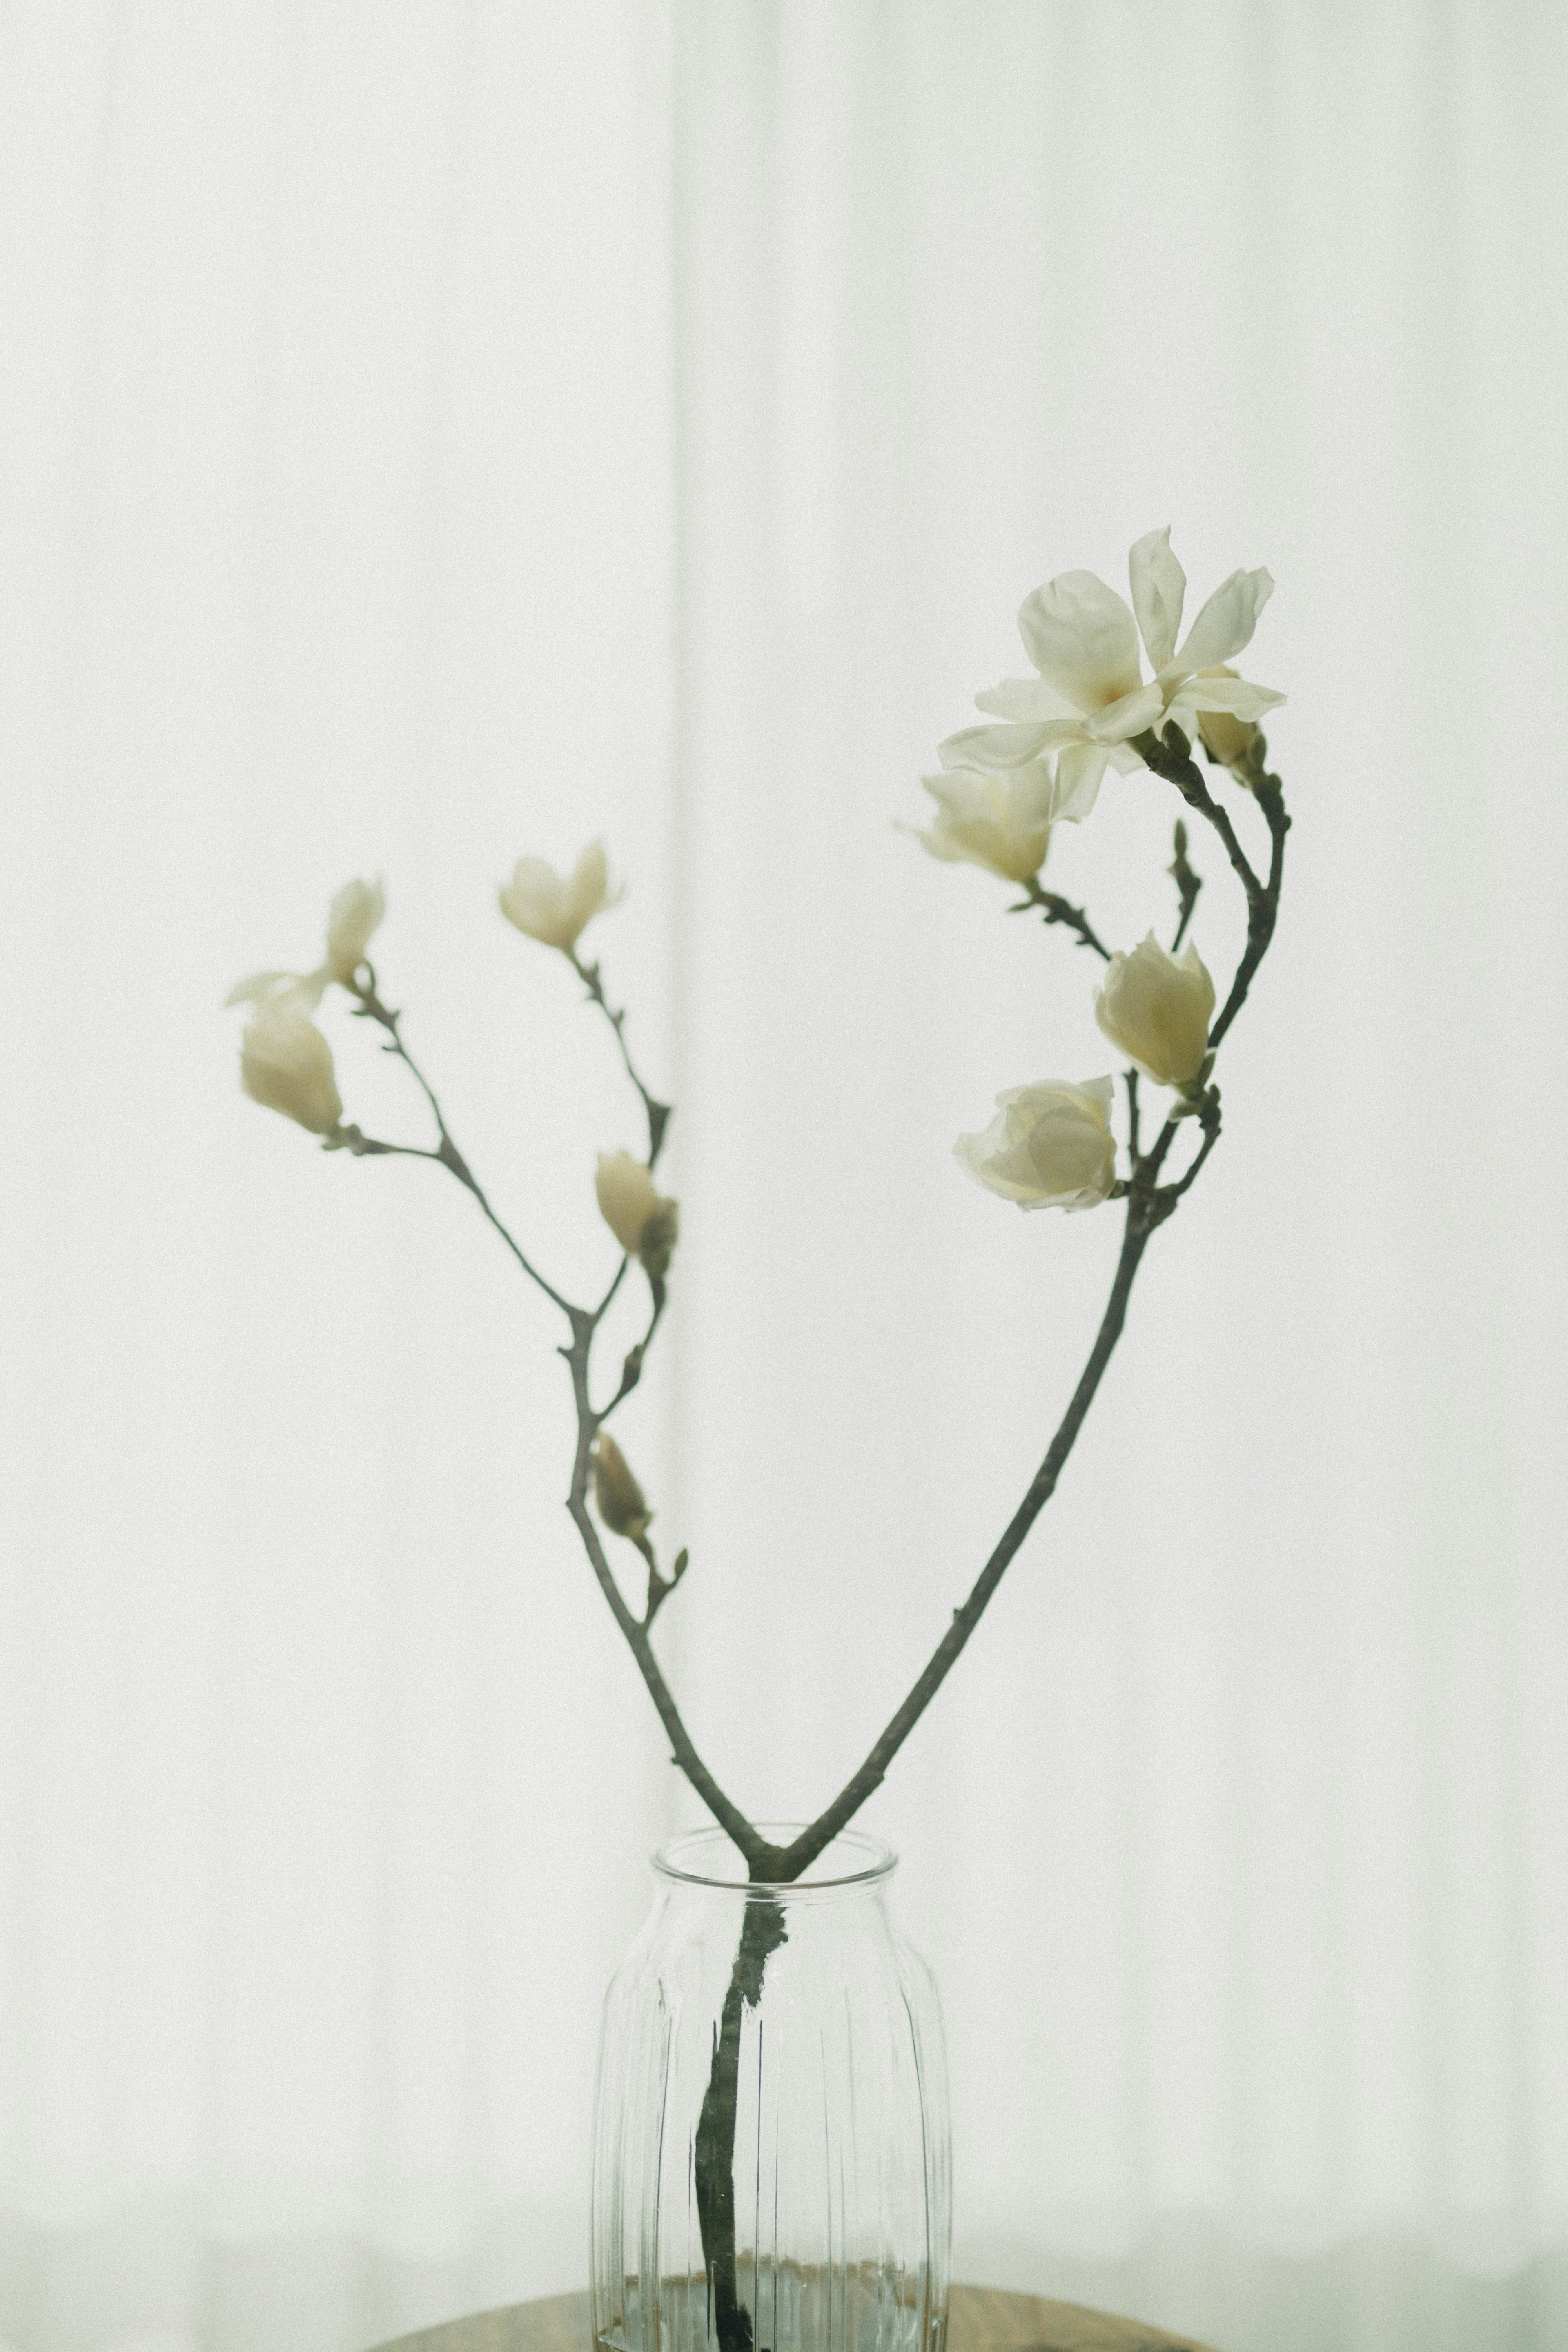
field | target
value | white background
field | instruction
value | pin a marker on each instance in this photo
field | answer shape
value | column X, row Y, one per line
column 437, row 433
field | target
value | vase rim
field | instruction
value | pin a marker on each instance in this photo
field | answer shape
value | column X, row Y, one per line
column 854, row 1859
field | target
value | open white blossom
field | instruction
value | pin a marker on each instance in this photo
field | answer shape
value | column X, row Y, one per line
column 1090, row 696
column 353, row 915
column 1002, row 821
column 1049, row 1146
column 286, row 1064
column 555, row 910
column 1156, row 1008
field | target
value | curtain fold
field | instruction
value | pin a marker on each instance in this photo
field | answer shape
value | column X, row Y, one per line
column 442, row 434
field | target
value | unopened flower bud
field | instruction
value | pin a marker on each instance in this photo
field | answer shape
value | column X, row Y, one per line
column 642, row 1219
column 1156, row 1010
column 1226, row 738
column 286, row 1064
column 555, row 911
column 659, row 1236
column 354, row 913
column 617, row 1497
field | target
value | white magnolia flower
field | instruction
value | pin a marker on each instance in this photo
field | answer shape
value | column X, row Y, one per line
column 1157, row 1010
column 555, row 911
column 1090, row 696
column 1049, row 1146
column 1002, row 821
column 286, row 1064
column 354, row 912
column 642, row 1220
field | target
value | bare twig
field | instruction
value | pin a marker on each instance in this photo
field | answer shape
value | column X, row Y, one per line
column 1188, row 885
column 1171, row 757
column 371, row 1008
column 1056, row 910
column 583, row 1323
column 659, row 1113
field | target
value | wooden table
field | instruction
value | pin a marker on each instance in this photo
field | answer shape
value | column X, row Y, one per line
column 980, row 2319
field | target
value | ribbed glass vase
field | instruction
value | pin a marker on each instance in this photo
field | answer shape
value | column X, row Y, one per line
column 771, row 2145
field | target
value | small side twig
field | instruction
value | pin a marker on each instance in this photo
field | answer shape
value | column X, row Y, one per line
column 1056, row 910
column 659, row 1113
column 1188, row 885
column 369, row 1007
column 1171, row 756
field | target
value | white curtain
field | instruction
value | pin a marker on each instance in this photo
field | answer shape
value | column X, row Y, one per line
column 437, row 432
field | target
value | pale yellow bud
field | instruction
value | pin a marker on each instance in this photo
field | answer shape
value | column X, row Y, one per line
column 286, row 1064
column 642, row 1219
column 1227, row 738
column 659, row 1236
column 355, row 911
column 1156, row 1010
column 617, row 1497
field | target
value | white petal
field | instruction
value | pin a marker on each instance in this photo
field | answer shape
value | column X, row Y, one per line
column 1236, row 695
column 258, row 987
column 1159, row 584
column 1005, row 746
column 301, row 991
column 1021, row 697
column 1082, row 640
column 1227, row 622
column 1079, row 771
column 1130, row 716
column 1123, row 759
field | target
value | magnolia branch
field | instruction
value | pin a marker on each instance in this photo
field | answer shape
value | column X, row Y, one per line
column 584, row 1324
column 657, row 1112
column 371, row 1008
column 1149, row 1203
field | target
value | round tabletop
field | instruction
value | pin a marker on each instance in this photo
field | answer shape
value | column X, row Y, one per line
column 980, row 2319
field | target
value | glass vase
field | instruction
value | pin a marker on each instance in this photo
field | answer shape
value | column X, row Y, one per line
column 770, row 2147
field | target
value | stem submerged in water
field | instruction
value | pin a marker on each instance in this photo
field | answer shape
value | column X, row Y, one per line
column 763, row 1931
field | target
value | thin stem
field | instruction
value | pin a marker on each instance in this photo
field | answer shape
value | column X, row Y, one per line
column 1056, row 910
column 1141, row 1219
column 1188, row 885
column 1172, row 759
column 1261, row 919
column 1211, row 1136
column 659, row 1113
column 631, row 1370
column 683, row 1753
column 371, row 1008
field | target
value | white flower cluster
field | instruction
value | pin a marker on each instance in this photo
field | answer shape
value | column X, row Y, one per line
column 286, row 1064
column 1002, row 787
